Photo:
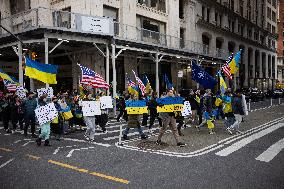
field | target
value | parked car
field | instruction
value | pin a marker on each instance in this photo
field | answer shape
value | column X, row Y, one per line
column 275, row 93
column 254, row 94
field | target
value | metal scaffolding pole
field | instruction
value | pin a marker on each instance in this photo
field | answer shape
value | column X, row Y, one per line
column 157, row 73
column 107, row 66
column 20, row 54
column 46, row 54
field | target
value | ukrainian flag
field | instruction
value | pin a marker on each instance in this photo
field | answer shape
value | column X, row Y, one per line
column 137, row 107
column 234, row 64
column 223, row 85
column 147, row 84
column 5, row 76
column 42, row 72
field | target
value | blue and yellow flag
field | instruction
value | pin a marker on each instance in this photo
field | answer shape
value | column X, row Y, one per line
column 132, row 87
column 136, row 107
column 42, row 72
column 5, row 76
column 170, row 104
column 223, row 85
column 147, row 84
column 234, row 64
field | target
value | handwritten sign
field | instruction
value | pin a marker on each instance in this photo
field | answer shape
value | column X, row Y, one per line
column 48, row 91
column 106, row 102
column 45, row 114
column 186, row 109
column 91, row 108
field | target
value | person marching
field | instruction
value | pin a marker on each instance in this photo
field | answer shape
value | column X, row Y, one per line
column 238, row 110
column 194, row 106
column 133, row 122
column 103, row 118
column 228, row 110
column 168, row 119
column 57, row 124
column 6, row 111
column 30, row 105
column 44, row 128
column 152, row 106
column 90, row 122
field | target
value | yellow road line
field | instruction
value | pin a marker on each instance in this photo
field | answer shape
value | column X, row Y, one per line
column 33, row 157
column 6, row 149
column 89, row 172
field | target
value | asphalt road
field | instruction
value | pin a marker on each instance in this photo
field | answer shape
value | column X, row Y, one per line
column 251, row 160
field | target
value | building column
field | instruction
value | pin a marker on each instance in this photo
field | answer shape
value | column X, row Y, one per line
column 46, row 55
column 246, row 66
column 266, row 66
column 252, row 77
column 21, row 73
column 212, row 15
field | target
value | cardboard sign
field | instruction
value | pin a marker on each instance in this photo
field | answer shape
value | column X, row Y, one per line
column 91, row 108
column 21, row 92
column 186, row 109
column 46, row 113
column 106, row 102
column 48, row 91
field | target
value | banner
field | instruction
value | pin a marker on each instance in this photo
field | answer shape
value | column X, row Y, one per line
column 21, row 92
column 106, row 102
column 48, row 91
column 46, row 113
column 170, row 104
column 91, row 108
column 186, row 109
column 136, row 107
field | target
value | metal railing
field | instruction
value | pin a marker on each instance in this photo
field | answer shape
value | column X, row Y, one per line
column 132, row 33
column 49, row 18
column 64, row 20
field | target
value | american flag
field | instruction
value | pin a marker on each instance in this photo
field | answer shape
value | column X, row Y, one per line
column 226, row 69
column 140, row 84
column 91, row 78
column 130, row 83
column 11, row 86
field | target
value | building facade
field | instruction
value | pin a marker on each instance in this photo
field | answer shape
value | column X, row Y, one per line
column 153, row 37
column 280, row 42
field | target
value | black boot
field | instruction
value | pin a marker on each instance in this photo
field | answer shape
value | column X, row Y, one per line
column 144, row 136
column 125, row 137
column 38, row 141
column 46, row 143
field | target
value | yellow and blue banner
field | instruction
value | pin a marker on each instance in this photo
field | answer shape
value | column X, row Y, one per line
column 223, row 86
column 42, row 72
column 132, row 87
column 234, row 64
column 169, row 86
column 136, row 107
column 5, row 76
column 170, row 104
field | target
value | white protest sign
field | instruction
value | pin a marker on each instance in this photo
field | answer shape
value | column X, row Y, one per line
column 91, row 108
column 46, row 113
column 186, row 109
column 48, row 91
column 21, row 92
column 106, row 102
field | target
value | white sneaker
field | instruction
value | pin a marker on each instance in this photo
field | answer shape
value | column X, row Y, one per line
column 229, row 131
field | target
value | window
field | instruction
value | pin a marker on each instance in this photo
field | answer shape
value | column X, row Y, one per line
column 256, row 36
column 18, row 6
column 273, row 30
column 110, row 12
column 181, row 9
column 273, row 16
column 241, row 7
column 268, row 27
column 156, row 4
column 203, row 12
column 208, row 14
column 268, row 13
column 274, row 3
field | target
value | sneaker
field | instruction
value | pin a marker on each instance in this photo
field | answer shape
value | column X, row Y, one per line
column 229, row 131
column 180, row 144
column 125, row 137
column 198, row 128
column 92, row 140
column 239, row 132
column 38, row 141
column 144, row 136
column 159, row 142
column 86, row 137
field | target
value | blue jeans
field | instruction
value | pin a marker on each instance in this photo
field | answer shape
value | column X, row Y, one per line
column 45, row 131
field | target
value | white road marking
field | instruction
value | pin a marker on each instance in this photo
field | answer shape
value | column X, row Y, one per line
column 84, row 141
column 27, row 143
column 78, row 149
column 271, row 152
column 6, row 163
column 57, row 149
column 238, row 145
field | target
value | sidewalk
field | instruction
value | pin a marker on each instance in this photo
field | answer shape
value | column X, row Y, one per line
column 197, row 140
